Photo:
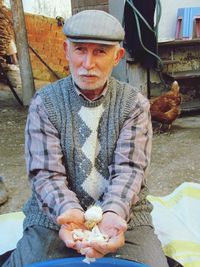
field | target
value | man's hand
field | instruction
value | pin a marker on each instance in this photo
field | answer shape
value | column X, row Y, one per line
column 113, row 226
column 70, row 220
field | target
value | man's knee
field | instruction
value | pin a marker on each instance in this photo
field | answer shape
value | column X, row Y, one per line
column 34, row 246
column 142, row 245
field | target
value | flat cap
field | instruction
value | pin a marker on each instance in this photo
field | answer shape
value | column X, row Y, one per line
column 93, row 26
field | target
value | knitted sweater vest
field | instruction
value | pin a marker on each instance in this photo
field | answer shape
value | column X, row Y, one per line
column 88, row 133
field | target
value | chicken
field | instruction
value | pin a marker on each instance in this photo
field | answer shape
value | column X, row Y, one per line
column 166, row 108
column 60, row 21
column 93, row 215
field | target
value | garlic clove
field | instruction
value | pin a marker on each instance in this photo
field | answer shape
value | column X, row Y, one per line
column 94, row 214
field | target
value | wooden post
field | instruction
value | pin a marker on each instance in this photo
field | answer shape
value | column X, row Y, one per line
column 28, row 88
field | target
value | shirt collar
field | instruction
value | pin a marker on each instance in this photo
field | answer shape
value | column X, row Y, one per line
column 80, row 93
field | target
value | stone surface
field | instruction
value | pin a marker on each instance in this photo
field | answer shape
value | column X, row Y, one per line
column 3, row 192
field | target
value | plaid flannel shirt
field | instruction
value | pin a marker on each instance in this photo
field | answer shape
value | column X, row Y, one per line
column 47, row 173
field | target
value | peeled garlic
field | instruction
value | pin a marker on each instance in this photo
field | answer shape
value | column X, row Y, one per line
column 93, row 215
column 85, row 235
column 89, row 260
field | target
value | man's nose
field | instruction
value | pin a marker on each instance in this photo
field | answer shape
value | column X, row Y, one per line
column 88, row 61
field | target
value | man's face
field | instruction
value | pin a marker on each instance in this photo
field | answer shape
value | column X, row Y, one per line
column 91, row 64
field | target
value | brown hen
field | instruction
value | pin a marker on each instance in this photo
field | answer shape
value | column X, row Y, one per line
column 166, row 108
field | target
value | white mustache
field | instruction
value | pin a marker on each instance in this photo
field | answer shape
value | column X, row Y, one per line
column 83, row 72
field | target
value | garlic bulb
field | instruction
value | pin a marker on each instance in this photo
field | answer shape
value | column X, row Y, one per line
column 93, row 215
column 86, row 235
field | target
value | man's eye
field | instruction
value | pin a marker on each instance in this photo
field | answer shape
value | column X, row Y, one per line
column 79, row 48
column 101, row 51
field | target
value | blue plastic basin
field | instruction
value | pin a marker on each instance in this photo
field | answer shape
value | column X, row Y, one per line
column 77, row 262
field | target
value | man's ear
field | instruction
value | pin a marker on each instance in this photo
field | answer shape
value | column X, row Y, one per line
column 65, row 46
column 119, row 54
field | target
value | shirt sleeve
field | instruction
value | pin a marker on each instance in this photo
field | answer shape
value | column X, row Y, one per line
column 44, row 162
column 131, row 160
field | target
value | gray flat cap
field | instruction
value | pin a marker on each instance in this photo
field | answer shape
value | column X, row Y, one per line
column 93, row 26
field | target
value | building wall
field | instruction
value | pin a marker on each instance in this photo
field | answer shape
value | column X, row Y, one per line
column 188, row 57
column 46, row 38
column 167, row 25
column 79, row 5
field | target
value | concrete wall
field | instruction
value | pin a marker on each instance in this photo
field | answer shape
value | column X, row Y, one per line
column 167, row 26
column 79, row 5
column 187, row 56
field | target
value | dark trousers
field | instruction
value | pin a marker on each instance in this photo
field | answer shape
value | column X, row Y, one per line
column 40, row 244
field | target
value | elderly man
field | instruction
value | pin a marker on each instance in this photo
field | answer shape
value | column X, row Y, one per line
column 88, row 140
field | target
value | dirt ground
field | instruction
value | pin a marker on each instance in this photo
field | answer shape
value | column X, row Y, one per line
column 175, row 157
